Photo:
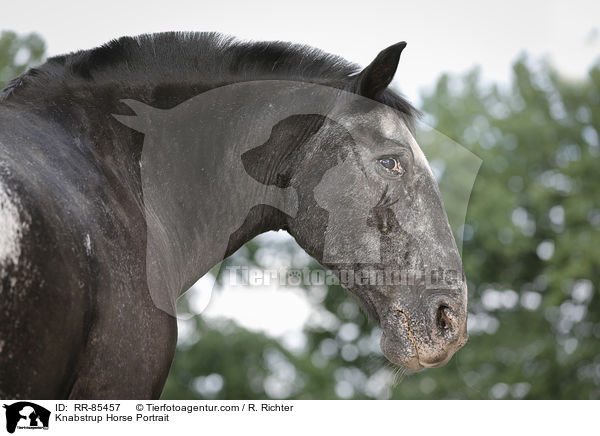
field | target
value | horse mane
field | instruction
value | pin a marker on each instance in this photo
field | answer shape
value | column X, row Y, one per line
column 193, row 56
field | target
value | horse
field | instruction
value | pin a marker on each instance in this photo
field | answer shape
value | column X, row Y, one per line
column 120, row 187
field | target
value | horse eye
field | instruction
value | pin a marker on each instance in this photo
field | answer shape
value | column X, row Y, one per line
column 392, row 165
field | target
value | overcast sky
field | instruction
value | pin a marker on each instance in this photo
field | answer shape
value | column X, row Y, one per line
column 442, row 37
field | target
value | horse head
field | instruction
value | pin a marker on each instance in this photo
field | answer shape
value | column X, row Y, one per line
column 371, row 211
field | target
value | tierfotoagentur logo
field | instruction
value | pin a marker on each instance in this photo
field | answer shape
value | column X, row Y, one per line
column 430, row 279
column 373, row 191
column 25, row 415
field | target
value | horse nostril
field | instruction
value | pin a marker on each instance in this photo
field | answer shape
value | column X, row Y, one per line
column 442, row 319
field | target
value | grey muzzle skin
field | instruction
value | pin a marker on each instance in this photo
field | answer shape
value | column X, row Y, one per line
column 425, row 333
column 423, row 324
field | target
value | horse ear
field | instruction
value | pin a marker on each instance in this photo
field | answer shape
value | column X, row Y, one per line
column 375, row 78
column 142, row 118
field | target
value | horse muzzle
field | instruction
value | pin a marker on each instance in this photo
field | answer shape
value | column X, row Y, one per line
column 424, row 336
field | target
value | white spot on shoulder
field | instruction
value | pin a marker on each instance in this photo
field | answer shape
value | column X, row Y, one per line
column 11, row 229
column 88, row 244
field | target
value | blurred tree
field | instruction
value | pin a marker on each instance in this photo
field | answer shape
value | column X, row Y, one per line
column 531, row 251
column 17, row 53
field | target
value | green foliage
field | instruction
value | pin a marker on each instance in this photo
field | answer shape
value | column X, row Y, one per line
column 17, row 53
column 531, row 252
column 531, row 248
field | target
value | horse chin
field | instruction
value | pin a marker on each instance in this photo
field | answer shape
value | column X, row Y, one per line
column 400, row 351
